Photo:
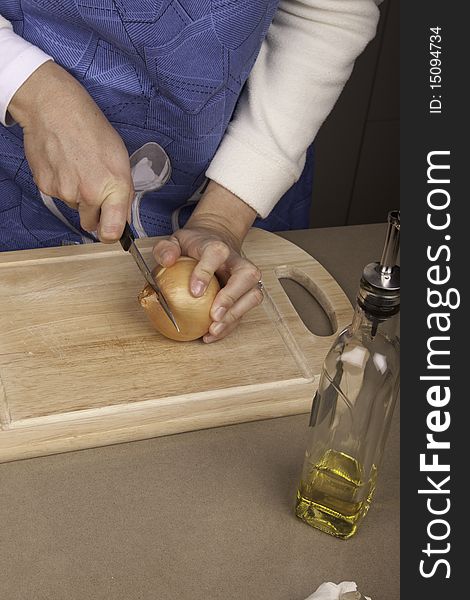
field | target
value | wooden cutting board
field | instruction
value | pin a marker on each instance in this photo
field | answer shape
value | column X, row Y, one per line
column 80, row 365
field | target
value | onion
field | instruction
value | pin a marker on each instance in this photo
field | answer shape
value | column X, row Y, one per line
column 191, row 314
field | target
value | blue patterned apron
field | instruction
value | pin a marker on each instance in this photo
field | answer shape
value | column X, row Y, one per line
column 168, row 71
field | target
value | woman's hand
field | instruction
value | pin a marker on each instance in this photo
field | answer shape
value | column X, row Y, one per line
column 213, row 236
column 73, row 151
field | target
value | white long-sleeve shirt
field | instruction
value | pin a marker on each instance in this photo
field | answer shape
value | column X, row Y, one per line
column 302, row 67
column 18, row 60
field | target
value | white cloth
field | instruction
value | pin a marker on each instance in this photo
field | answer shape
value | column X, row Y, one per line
column 303, row 64
column 333, row 591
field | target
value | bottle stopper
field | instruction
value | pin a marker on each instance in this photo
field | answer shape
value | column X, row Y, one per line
column 379, row 291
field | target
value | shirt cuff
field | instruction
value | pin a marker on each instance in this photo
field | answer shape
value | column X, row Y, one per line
column 18, row 60
column 257, row 179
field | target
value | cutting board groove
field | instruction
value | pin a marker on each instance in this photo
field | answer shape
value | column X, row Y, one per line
column 80, row 365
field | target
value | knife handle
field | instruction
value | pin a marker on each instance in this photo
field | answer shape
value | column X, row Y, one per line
column 127, row 238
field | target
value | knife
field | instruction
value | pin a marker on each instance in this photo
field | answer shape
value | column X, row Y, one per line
column 128, row 243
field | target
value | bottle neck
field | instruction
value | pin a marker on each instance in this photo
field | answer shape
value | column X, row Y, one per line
column 370, row 324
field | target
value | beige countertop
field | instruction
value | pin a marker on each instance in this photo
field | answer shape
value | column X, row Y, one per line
column 201, row 515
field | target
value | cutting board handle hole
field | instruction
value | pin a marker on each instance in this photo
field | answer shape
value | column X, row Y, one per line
column 311, row 304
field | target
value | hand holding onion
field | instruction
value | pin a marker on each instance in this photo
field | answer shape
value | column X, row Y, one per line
column 213, row 236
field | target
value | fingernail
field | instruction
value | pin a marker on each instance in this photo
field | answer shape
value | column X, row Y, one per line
column 219, row 313
column 166, row 257
column 217, row 328
column 198, row 288
column 208, row 339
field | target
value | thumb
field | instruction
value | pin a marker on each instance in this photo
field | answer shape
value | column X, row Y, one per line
column 167, row 251
column 113, row 215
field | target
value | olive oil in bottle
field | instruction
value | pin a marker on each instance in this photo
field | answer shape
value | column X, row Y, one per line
column 353, row 407
column 334, row 496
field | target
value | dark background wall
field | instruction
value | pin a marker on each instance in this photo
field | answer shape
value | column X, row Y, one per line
column 357, row 149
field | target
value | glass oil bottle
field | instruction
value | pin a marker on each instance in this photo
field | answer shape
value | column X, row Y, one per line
column 353, row 407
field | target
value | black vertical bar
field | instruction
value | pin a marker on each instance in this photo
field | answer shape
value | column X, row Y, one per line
column 434, row 125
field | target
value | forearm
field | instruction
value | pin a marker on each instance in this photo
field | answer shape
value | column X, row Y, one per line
column 42, row 88
column 304, row 62
column 221, row 209
column 74, row 153
column 18, row 60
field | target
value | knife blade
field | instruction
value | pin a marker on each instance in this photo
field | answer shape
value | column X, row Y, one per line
column 127, row 241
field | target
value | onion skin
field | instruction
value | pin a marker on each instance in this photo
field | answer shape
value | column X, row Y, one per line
column 192, row 314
